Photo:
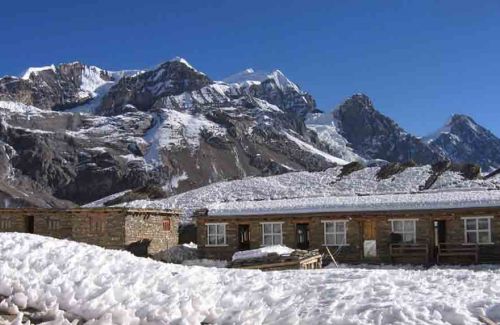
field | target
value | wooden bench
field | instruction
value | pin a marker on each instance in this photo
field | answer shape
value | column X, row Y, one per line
column 409, row 250
column 458, row 250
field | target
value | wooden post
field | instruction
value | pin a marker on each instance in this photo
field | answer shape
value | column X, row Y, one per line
column 333, row 259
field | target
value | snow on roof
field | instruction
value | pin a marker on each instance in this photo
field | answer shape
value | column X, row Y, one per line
column 388, row 202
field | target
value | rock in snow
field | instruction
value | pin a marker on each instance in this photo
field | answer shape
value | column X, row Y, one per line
column 114, row 287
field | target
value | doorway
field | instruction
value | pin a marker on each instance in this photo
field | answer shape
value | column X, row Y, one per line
column 369, row 239
column 302, row 236
column 243, row 237
column 439, row 232
column 31, row 224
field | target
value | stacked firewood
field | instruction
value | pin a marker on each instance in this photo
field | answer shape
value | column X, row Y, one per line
column 271, row 258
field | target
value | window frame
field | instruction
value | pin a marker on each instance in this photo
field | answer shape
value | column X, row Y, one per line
column 477, row 230
column 6, row 223
column 166, row 225
column 272, row 233
column 224, row 233
column 403, row 232
column 97, row 224
column 335, row 232
column 53, row 224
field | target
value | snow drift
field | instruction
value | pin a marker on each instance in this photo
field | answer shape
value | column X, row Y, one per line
column 116, row 287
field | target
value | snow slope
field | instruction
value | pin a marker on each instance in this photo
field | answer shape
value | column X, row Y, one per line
column 114, row 287
column 328, row 183
column 387, row 202
column 323, row 124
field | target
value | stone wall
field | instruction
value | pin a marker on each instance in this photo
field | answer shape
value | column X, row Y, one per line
column 53, row 223
column 102, row 228
column 11, row 222
column 145, row 233
column 353, row 251
column 114, row 228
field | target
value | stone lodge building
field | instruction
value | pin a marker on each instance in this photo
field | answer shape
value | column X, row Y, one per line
column 424, row 228
column 141, row 231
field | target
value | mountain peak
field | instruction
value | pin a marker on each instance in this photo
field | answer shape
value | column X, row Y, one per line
column 282, row 81
column 376, row 136
column 455, row 124
column 35, row 70
column 247, row 75
column 257, row 76
column 358, row 101
column 183, row 61
column 462, row 119
column 465, row 141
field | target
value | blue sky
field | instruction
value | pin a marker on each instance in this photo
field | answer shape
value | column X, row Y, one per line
column 419, row 61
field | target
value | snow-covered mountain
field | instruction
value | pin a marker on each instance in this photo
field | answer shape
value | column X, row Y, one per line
column 75, row 133
column 171, row 126
column 373, row 135
column 463, row 140
column 324, row 126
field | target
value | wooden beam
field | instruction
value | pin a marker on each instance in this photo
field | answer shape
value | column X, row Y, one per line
column 486, row 320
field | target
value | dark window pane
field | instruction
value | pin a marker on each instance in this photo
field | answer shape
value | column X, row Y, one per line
column 471, row 237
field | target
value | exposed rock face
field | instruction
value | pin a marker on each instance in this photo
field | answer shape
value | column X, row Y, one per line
column 375, row 136
column 463, row 140
column 141, row 91
column 171, row 127
column 55, row 87
column 72, row 156
column 174, row 129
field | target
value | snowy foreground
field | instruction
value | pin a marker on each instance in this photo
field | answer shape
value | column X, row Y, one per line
column 116, row 287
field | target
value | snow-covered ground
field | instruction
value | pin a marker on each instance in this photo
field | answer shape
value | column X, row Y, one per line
column 114, row 287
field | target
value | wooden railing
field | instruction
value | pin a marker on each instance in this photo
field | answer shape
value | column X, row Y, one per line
column 458, row 250
column 409, row 250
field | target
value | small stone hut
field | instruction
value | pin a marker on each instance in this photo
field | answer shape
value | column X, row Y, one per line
column 141, row 231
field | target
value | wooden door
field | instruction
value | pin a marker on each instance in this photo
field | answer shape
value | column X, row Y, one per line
column 369, row 230
column 369, row 239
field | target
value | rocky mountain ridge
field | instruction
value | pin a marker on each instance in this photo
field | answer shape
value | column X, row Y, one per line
column 72, row 133
column 172, row 127
column 463, row 140
column 357, row 131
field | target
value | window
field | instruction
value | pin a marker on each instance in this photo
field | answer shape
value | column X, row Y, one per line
column 272, row 233
column 166, row 225
column 96, row 224
column 5, row 223
column 53, row 224
column 406, row 228
column 335, row 233
column 477, row 230
column 216, row 234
